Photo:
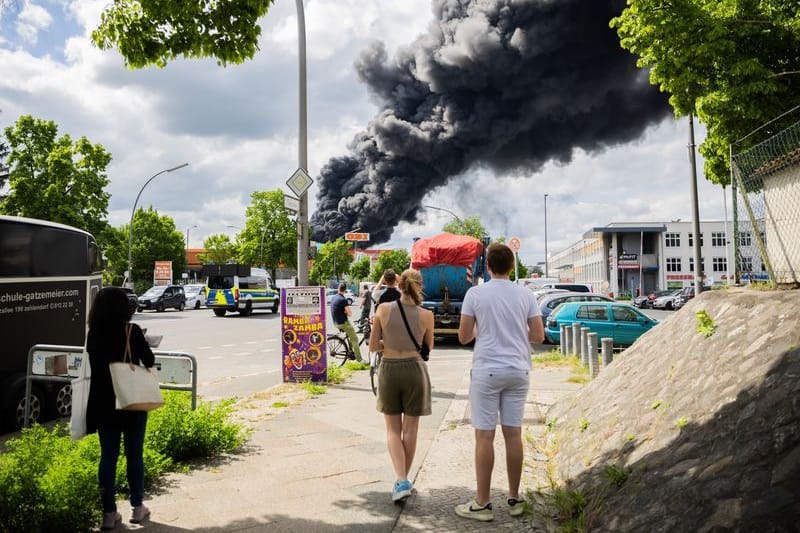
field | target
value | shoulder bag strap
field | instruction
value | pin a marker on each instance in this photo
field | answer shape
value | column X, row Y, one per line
column 127, row 357
column 408, row 328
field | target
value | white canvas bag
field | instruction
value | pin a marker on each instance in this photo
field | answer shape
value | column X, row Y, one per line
column 135, row 386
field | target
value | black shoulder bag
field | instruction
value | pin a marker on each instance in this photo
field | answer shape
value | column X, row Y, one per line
column 423, row 350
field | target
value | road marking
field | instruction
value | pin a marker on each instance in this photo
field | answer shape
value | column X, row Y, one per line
column 228, row 345
column 204, row 347
column 243, row 353
column 265, row 350
column 251, row 342
column 215, row 357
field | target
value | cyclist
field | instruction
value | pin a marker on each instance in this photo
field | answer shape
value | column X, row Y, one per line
column 340, row 312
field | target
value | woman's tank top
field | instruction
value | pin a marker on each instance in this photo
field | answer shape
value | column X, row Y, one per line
column 395, row 334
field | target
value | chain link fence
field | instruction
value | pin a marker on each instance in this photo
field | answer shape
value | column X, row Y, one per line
column 766, row 210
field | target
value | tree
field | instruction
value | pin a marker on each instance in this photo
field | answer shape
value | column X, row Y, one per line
column 332, row 260
column 269, row 237
column 53, row 178
column 3, row 167
column 397, row 260
column 735, row 64
column 467, row 226
column 155, row 238
column 153, row 32
column 360, row 269
column 219, row 250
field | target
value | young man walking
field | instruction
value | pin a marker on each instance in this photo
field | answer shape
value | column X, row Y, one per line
column 503, row 318
column 340, row 312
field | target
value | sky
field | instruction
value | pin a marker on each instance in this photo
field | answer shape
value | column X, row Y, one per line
column 236, row 127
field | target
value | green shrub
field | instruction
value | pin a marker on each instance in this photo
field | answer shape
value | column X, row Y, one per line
column 177, row 432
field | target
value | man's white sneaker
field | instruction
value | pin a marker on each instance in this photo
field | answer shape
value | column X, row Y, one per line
column 475, row 512
column 140, row 512
column 516, row 507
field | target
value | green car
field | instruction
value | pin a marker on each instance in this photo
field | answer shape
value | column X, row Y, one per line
column 619, row 321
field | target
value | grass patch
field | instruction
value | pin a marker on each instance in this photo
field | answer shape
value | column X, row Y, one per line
column 616, row 475
column 314, row 389
column 580, row 374
column 553, row 358
column 705, row 324
column 583, row 425
column 280, row 404
column 681, row 422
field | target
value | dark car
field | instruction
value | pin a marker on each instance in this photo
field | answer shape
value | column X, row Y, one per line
column 646, row 301
column 159, row 297
column 133, row 300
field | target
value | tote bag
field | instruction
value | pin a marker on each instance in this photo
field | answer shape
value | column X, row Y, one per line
column 80, row 399
column 135, row 387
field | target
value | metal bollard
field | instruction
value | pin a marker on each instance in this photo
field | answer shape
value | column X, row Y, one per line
column 564, row 340
column 585, row 346
column 608, row 350
column 576, row 338
column 594, row 368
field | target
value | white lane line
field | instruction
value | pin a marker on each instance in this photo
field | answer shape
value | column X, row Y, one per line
column 251, row 342
column 243, row 353
column 216, row 357
column 204, row 347
column 265, row 350
column 227, row 345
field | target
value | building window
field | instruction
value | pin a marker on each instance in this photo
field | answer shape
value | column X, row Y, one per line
column 719, row 264
column 745, row 239
column 673, row 264
column 745, row 264
column 718, row 239
column 702, row 264
column 691, row 240
column 672, row 240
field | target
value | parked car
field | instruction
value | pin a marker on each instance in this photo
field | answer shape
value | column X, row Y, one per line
column 687, row 293
column 667, row 301
column 574, row 287
column 159, row 297
column 619, row 321
column 548, row 302
column 645, row 301
column 348, row 294
column 195, row 296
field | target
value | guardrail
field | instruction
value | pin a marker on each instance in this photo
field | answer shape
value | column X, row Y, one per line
column 59, row 363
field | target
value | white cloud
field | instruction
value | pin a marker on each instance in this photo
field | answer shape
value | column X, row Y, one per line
column 32, row 19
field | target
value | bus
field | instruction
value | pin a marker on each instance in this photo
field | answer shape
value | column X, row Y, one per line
column 49, row 274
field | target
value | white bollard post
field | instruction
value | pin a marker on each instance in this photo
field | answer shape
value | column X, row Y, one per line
column 585, row 346
column 594, row 367
column 564, row 340
column 576, row 338
column 608, row 350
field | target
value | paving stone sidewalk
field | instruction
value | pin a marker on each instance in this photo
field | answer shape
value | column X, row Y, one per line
column 447, row 476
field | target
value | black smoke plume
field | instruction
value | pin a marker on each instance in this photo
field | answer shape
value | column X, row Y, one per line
column 510, row 84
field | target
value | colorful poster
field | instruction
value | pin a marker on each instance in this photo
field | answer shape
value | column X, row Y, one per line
column 303, row 334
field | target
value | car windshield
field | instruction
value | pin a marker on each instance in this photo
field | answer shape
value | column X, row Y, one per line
column 155, row 291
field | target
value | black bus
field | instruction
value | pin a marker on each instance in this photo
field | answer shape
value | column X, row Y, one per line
column 49, row 274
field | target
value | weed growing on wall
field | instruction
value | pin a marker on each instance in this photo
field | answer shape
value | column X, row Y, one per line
column 705, row 324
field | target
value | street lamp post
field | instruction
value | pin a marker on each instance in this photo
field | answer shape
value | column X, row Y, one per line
column 546, row 273
column 187, row 234
column 443, row 209
column 261, row 248
column 302, row 147
column 129, row 277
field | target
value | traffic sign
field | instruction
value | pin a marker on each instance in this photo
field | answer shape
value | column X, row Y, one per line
column 515, row 244
column 291, row 204
column 353, row 236
column 299, row 182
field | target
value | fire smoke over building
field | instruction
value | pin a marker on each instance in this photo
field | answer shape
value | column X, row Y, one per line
column 508, row 84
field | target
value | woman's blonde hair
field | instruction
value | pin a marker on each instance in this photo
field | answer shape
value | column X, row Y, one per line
column 411, row 285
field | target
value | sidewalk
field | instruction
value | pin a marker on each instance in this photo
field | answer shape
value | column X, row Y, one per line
column 322, row 466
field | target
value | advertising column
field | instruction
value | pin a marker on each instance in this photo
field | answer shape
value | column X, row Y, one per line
column 303, row 334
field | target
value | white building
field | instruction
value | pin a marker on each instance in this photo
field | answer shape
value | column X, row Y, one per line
column 642, row 257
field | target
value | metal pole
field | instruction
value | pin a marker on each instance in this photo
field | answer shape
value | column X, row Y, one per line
column 302, row 147
column 641, row 259
column 129, row 283
column 698, row 263
column 516, row 268
column 546, row 273
column 261, row 252
column 576, row 337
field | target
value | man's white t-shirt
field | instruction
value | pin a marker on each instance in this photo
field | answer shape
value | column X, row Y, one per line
column 501, row 309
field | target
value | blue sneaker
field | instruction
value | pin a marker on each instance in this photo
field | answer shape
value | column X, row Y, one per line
column 401, row 490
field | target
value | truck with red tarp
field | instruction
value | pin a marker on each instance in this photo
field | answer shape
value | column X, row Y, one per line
column 449, row 264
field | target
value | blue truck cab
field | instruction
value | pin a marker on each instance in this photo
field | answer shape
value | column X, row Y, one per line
column 239, row 289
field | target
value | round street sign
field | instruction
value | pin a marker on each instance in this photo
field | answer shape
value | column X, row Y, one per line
column 515, row 244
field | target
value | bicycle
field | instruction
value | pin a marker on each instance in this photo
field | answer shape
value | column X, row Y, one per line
column 339, row 348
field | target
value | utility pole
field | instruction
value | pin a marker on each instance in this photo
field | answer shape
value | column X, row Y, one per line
column 698, row 263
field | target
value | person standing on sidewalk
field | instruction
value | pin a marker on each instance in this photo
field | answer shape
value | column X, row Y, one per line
column 386, row 289
column 503, row 318
column 404, row 387
column 340, row 312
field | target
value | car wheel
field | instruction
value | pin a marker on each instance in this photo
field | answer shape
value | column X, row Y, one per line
column 181, row 306
column 197, row 304
column 248, row 309
column 219, row 312
column 669, row 306
column 160, row 308
column 62, row 405
column 141, row 309
column 14, row 404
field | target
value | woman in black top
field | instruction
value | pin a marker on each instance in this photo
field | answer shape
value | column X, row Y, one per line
column 105, row 344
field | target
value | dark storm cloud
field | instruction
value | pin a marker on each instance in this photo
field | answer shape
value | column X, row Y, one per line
column 510, row 84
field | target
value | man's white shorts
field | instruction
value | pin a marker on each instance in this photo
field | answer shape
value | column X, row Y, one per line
column 498, row 392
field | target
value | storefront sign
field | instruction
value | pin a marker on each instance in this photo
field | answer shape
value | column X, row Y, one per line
column 628, row 261
column 303, row 334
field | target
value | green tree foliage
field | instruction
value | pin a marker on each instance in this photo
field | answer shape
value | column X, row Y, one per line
column 397, row 260
column 3, row 167
column 155, row 238
column 268, row 222
column 333, row 260
column 53, row 178
column 153, row 32
column 735, row 64
column 466, row 226
column 360, row 269
column 219, row 250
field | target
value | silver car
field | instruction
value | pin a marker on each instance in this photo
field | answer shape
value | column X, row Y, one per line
column 668, row 301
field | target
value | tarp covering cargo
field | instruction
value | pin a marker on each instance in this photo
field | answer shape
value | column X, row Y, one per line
column 445, row 249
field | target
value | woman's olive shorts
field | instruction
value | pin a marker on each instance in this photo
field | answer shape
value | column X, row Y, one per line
column 404, row 387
